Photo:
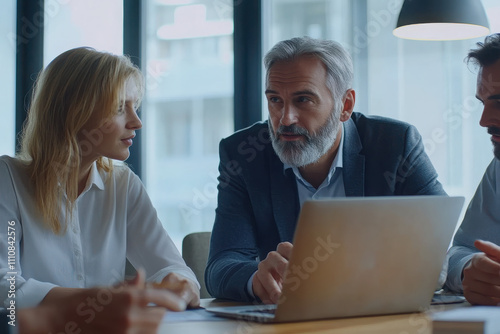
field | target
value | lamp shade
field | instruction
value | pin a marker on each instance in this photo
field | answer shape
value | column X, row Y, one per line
column 442, row 20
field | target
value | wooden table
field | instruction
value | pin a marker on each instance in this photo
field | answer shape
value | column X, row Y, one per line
column 415, row 323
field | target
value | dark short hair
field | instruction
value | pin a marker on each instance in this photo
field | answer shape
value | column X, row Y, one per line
column 487, row 53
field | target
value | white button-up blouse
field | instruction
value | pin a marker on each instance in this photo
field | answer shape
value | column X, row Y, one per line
column 113, row 220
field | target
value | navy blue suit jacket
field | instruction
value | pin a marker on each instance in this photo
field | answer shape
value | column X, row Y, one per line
column 258, row 202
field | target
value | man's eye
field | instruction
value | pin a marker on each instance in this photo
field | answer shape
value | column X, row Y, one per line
column 303, row 99
column 274, row 99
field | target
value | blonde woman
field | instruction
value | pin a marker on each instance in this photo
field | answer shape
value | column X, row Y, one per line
column 69, row 215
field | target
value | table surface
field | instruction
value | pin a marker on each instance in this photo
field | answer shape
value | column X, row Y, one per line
column 412, row 323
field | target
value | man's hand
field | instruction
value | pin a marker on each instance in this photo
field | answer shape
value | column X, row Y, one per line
column 182, row 287
column 481, row 280
column 268, row 280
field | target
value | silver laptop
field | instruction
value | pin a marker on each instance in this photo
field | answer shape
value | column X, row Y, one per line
column 361, row 257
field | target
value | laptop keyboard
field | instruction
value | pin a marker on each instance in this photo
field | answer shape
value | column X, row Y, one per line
column 264, row 310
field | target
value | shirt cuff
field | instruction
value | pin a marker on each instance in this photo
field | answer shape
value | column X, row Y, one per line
column 249, row 286
column 183, row 271
column 32, row 292
column 455, row 274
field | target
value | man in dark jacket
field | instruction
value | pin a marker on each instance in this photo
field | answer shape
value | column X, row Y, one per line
column 312, row 146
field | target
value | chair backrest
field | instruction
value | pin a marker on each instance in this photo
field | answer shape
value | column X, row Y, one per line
column 195, row 247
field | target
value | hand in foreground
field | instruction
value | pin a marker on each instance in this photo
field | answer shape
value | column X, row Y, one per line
column 182, row 287
column 268, row 280
column 481, row 280
column 120, row 309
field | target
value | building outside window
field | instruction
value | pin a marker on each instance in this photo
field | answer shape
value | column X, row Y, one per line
column 8, row 78
column 188, row 108
column 94, row 23
column 187, row 59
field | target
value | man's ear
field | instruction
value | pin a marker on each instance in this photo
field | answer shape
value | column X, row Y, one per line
column 348, row 102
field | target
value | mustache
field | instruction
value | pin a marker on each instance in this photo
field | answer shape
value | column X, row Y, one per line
column 494, row 131
column 292, row 129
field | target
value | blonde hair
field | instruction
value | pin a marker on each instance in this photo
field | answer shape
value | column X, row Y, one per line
column 74, row 86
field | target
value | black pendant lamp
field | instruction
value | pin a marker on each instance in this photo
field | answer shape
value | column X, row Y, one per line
column 438, row 20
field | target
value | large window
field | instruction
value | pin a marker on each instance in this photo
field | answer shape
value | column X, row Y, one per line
column 7, row 79
column 188, row 60
column 424, row 83
column 94, row 23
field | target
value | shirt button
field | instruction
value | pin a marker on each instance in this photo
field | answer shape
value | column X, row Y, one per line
column 77, row 253
column 79, row 277
column 75, row 230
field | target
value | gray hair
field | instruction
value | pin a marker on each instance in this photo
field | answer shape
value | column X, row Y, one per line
column 337, row 61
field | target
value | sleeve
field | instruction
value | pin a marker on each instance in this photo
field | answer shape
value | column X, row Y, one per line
column 233, row 247
column 13, row 287
column 10, row 236
column 481, row 221
column 415, row 174
column 148, row 244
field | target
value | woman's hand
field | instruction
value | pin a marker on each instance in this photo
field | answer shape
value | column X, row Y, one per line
column 120, row 309
column 182, row 287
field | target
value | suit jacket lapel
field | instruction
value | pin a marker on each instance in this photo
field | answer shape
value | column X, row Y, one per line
column 354, row 161
column 284, row 196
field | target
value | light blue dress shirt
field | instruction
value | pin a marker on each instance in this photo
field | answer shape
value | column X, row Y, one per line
column 481, row 221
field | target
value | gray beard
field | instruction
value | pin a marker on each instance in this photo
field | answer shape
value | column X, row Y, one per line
column 301, row 153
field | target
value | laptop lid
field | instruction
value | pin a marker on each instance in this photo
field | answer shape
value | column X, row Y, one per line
column 363, row 256
column 367, row 256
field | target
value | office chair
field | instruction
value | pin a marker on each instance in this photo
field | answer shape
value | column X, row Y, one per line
column 195, row 247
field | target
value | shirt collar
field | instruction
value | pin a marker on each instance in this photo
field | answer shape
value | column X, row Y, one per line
column 95, row 178
column 338, row 162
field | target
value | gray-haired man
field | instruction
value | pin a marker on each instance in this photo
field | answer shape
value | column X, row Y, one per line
column 313, row 145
